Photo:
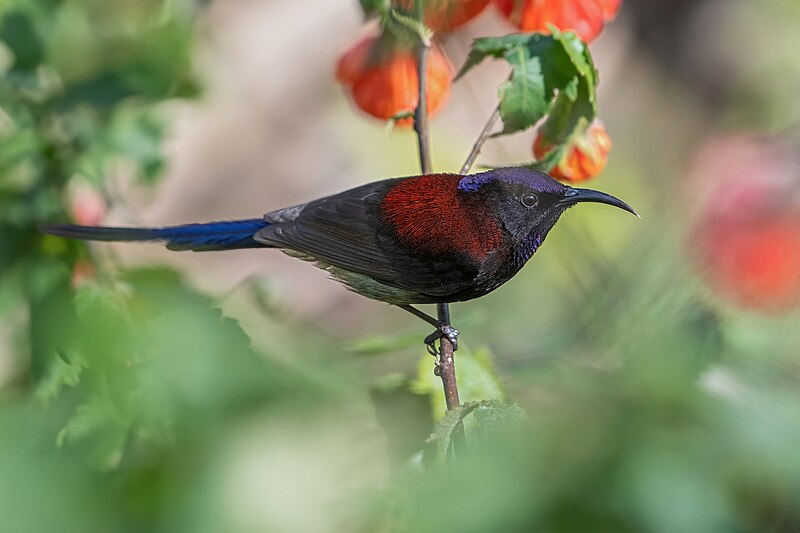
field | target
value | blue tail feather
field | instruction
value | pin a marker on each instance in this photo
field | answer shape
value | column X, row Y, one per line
column 210, row 236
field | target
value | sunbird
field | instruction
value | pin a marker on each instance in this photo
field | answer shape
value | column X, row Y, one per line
column 428, row 239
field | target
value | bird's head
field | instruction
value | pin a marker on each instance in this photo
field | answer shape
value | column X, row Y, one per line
column 529, row 202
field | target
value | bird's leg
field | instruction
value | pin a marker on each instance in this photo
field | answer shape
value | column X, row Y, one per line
column 443, row 329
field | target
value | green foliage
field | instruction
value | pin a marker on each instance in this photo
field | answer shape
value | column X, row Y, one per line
column 63, row 372
column 134, row 403
column 552, row 76
column 407, row 28
column 374, row 7
column 404, row 26
column 81, row 93
column 141, row 351
column 478, row 380
column 152, row 378
column 491, row 418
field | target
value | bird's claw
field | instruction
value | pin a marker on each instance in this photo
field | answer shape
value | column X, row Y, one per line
column 442, row 330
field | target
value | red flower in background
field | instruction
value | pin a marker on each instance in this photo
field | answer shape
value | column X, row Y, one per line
column 382, row 77
column 746, row 238
column 86, row 205
column 445, row 15
column 584, row 157
column 756, row 264
column 585, row 17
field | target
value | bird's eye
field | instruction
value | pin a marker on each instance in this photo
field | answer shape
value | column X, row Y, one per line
column 529, row 199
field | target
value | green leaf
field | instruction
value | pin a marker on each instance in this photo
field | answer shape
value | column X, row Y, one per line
column 102, row 428
column 19, row 35
column 442, row 437
column 64, row 371
column 403, row 25
column 496, row 47
column 567, row 56
column 374, row 7
column 551, row 75
column 522, row 98
column 492, row 415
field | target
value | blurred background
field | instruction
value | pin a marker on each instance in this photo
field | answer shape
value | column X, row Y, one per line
column 657, row 360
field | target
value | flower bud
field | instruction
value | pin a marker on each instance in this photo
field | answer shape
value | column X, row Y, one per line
column 585, row 156
column 585, row 17
column 381, row 77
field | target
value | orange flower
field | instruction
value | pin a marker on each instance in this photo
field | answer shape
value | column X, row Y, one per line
column 381, row 76
column 584, row 17
column 584, row 158
column 445, row 15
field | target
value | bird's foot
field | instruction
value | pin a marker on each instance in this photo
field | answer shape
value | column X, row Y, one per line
column 442, row 330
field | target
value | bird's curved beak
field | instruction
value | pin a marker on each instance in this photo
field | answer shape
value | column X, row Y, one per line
column 574, row 196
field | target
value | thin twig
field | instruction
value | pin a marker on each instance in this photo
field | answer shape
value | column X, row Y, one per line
column 485, row 133
column 446, row 364
column 447, row 368
column 421, row 113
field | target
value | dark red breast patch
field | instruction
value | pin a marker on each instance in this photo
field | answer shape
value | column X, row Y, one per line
column 430, row 215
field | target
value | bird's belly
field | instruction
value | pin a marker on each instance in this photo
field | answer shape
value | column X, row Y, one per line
column 371, row 288
column 437, row 281
column 494, row 272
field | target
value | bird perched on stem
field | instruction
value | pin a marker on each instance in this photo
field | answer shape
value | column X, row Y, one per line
column 437, row 238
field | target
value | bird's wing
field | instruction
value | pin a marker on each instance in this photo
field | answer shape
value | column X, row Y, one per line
column 339, row 230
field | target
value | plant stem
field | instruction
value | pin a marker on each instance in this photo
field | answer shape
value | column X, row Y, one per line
column 485, row 133
column 447, row 367
column 446, row 363
column 421, row 113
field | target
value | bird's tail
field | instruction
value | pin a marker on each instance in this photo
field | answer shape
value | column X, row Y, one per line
column 211, row 236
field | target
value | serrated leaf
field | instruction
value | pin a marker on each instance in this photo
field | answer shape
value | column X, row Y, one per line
column 522, row 98
column 489, row 417
column 101, row 429
column 551, row 75
column 63, row 371
column 493, row 414
column 570, row 110
column 577, row 52
column 442, row 437
column 496, row 47
column 402, row 25
column 101, row 307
